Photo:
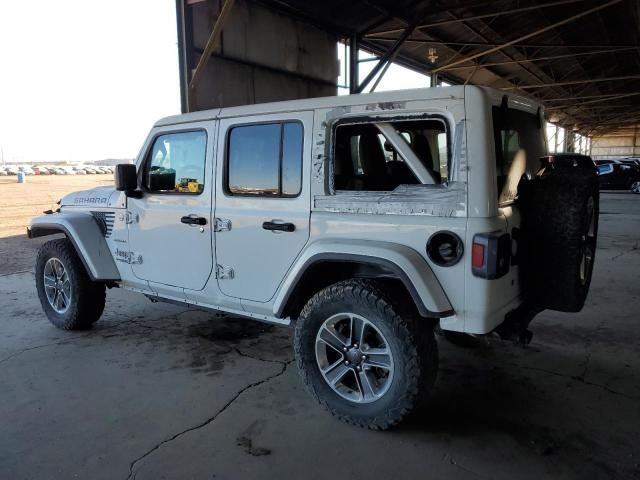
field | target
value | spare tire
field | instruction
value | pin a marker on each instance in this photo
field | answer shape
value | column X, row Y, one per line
column 557, row 249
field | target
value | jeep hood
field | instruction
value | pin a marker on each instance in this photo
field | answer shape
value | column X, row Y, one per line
column 96, row 198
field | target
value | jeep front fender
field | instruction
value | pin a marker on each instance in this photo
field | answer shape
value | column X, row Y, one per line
column 407, row 264
column 87, row 238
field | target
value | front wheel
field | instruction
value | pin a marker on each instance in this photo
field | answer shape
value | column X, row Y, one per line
column 635, row 187
column 70, row 300
column 366, row 361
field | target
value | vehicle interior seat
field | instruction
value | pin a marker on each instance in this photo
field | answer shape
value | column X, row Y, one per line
column 423, row 151
column 373, row 162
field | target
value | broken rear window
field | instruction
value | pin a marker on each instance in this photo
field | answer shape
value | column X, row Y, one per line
column 371, row 156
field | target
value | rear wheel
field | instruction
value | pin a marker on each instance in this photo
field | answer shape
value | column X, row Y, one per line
column 70, row 300
column 364, row 358
column 635, row 187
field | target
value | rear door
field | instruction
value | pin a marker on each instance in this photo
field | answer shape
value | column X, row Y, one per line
column 262, row 201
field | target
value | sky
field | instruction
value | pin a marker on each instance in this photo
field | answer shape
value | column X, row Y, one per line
column 84, row 80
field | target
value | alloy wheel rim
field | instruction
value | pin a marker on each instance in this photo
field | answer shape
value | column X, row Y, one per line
column 57, row 286
column 635, row 187
column 354, row 358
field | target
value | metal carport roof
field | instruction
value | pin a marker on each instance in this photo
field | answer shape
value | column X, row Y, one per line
column 580, row 58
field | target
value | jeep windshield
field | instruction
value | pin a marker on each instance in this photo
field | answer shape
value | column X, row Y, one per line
column 519, row 143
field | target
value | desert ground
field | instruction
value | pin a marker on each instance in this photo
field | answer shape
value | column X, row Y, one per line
column 20, row 202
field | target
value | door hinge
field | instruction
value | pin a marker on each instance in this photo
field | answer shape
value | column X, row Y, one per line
column 224, row 273
column 222, row 225
column 132, row 217
column 129, row 217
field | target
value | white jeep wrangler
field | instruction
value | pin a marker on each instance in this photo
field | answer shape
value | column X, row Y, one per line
column 368, row 220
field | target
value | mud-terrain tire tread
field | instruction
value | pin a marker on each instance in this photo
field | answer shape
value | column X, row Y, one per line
column 419, row 352
column 554, row 221
column 87, row 297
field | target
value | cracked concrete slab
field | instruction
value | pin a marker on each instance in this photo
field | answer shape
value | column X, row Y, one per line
column 155, row 391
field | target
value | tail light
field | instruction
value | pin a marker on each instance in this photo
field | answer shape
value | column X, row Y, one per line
column 491, row 255
column 477, row 255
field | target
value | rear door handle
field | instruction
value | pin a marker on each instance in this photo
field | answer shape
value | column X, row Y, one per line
column 279, row 226
column 193, row 220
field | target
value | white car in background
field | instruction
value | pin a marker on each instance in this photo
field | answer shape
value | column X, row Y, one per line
column 26, row 170
column 59, row 171
column 3, row 172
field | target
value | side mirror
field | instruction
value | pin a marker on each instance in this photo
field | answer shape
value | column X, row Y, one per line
column 125, row 177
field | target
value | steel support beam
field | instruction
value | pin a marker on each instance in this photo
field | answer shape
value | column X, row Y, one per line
column 387, row 57
column 479, row 17
column 604, row 97
column 529, row 35
column 540, row 59
column 182, row 56
column 212, row 43
column 384, row 70
column 426, row 41
column 354, row 66
column 573, row 82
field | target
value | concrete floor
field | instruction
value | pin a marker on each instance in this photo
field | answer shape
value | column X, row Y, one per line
column 154, row 392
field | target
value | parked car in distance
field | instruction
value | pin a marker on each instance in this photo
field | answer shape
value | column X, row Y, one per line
column 3, row 172
column 12, row 170
column 624, row 161
column 567, row 160
column 619, row 176
column 59, row 171
column 631, row 161
column 26, row 170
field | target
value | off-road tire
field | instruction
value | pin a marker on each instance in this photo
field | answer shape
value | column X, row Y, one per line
column 87, row 298
column 410, row 338
column 556, row 227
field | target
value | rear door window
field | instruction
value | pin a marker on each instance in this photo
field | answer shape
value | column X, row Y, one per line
column 265, row 159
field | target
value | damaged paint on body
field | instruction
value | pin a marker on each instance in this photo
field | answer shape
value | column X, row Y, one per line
column 440, row 200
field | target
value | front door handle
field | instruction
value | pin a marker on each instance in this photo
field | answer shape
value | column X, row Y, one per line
column 279, row 226
column 193, row 220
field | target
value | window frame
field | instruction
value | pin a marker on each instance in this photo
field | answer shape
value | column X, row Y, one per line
column 147, row 161
column 373, row 120
column 227, row 146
